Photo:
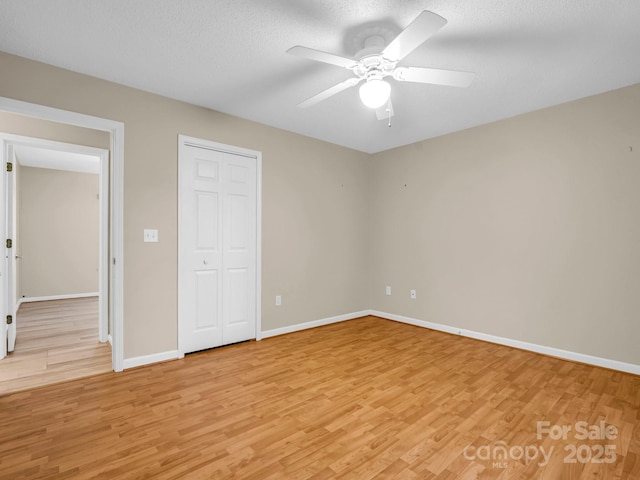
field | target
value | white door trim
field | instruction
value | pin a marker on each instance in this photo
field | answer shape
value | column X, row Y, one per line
column 116, row 129
column 10, row 141
column 185, row 141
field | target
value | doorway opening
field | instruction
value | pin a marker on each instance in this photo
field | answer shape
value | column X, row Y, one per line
column 111, row 273
column 57, row 211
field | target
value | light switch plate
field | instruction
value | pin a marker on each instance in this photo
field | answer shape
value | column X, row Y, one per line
column 150, row 235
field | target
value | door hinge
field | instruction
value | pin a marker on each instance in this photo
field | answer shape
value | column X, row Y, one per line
column 9, row 243
column 9, row 167
column 9, row 319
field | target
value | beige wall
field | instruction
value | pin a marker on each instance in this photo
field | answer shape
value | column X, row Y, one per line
column 58, row 233
column 314, row 203
column 528, row 228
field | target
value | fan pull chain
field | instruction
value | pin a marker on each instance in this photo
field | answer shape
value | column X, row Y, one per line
column 389, row 113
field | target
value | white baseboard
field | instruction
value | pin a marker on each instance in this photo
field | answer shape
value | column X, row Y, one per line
column 313, row 324
column 148, row 359
column 55, row 297
column 532, row 347
column 174, row 354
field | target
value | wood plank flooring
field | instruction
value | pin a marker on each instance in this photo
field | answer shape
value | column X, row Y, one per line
column 57, row 340
column 368, row 398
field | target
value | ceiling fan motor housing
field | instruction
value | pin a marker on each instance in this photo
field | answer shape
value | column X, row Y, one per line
column 370, row 62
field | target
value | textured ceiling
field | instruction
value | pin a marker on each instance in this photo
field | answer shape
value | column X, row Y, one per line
column 229, row 55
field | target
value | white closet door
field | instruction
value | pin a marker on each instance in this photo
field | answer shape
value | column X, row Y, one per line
column 217, row 248
column 239, row 252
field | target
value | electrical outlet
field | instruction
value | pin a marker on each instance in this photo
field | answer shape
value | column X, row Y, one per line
column 278, row 300
column 388, row 290
column 413, row 294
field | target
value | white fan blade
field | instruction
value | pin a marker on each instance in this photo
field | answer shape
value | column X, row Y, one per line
column 418, row 31
column 385, row 112
column 329, row 92
column 436, row 76
column 319, row 56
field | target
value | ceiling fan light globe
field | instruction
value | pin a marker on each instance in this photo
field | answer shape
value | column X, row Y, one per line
column 375, row 93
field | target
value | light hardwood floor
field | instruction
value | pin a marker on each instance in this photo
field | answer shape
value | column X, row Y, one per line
column 367, row 398
column 57, row 340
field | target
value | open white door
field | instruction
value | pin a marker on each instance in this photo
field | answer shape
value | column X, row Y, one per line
column 8, row 273
column 11, row 247
column 3, row 263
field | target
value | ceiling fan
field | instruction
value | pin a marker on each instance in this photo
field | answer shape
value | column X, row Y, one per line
column 376, row 61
